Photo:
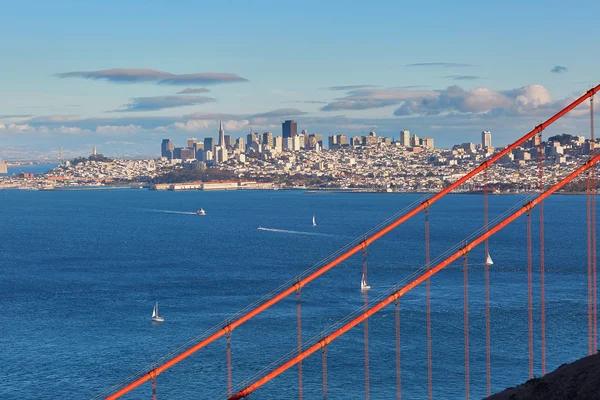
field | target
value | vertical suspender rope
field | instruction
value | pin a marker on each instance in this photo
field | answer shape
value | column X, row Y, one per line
column 398, row 374
column 466, row 322
column 542, row 282
column 428, row 306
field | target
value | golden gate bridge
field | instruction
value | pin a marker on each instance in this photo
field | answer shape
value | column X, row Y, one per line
column 421, row 276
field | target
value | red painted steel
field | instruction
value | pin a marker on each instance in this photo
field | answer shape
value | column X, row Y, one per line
column 405, row 289
column 366, row 328
column 154, row 389
column 344, row 256
column 398, row 374
column 529, row 296
column 594, row 265
column 324, row 366
column 466, row 322
column 229, row 385
column 488, row 348
column 428, row 309
column 589, row 261
column 542, row 277
column 299, row 321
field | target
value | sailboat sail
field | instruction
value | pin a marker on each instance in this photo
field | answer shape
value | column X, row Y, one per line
column 155, row 310
column 363, row 283
column 488, row 260
column 314, row 221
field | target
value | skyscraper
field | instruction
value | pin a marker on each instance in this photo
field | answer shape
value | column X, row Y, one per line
column 221, row 135
column 486, row 139
column 289, row 129
column 209, row 144
column 267, row 139
column 190, row 142
column 166, row 149
column 405, row 138
column 228, row 141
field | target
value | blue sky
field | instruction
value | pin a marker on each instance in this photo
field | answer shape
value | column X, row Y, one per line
column 112, row 73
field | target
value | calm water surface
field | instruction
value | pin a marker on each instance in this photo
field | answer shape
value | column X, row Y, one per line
column 82, row 269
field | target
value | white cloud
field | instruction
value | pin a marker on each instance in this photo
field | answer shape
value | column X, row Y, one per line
column 526, row 100
column 200, row 124
column 118, row 130
column 190, row 126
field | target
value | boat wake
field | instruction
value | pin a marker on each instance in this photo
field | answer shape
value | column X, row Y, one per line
column 174, row 212
column 293, row 232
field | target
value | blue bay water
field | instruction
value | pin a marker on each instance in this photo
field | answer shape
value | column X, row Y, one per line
column 82, row 269
column 31, row 168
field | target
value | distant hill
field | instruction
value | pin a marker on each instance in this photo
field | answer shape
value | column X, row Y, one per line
column 579, row 380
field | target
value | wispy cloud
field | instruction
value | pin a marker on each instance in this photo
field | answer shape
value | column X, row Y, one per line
column 365, row 99
column 441, row 65
column 161, row 102
column 350, row 87
column 281, row 112
column 559, row 69
column 307, row 102
column 282, row 92
column 140, row 75
column 463, row 77
column 194, row 90
column 358, row 104
column 15, row 115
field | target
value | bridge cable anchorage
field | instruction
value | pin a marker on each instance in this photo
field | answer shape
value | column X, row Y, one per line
column 423, row 277
column 487, row 288
column 428, row 306
column 332, row 261
column 594, row 264
column 324, row 367
column 229, row 385
column 542, row 283
column 529, row 295
column 398, row 374
column 299, row 322
column 466, row 322
column 366, row 324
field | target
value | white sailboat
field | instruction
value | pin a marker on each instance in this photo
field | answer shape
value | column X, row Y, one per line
column 363, row 284
column 314, row 220
column 488, row 260
column 155, row 316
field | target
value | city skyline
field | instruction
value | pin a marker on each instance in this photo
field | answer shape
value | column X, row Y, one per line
column 446, row 81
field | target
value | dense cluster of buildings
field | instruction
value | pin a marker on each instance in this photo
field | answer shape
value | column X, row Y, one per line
column 266, row 145
column 370, row 162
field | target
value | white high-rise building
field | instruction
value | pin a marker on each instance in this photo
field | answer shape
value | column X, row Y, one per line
column 278, row 146
column 415, row 141
column 405, row 138
column 221, row 135
column 486, row 139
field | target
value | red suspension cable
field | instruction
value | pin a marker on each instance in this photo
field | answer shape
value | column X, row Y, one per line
column 406, row 288
column 345, row 255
